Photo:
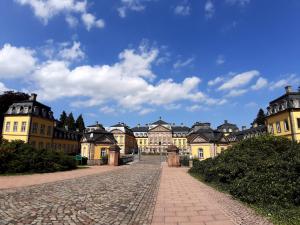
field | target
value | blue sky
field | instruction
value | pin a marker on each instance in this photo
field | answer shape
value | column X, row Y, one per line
column 136, row 60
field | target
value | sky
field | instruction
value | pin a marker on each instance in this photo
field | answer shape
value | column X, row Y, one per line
column 133, row 61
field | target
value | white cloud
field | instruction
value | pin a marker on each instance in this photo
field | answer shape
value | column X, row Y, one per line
column 239, row 80
column 47, row 9
column 215, row 81
column 251, row 105
column 184, row 63
column 145, row 111
column 292, row 79
column 183, row 9
column 90, row 21
column 108, row 110
column 131, row 5
column 72, row 21
column 220, row 60
column 238, row 2
column 172, row 106
column 193, row 108
column 209, row 9
column 16, row 61
column 236, row 93
column 3, row 88
column 73, row 53
column 260, row 83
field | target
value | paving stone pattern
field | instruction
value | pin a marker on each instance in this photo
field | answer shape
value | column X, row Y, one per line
column 123, row 196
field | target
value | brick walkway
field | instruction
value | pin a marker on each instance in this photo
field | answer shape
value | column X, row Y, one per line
column 183, row 200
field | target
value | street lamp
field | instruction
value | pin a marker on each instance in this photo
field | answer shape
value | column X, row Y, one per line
column 159, row 143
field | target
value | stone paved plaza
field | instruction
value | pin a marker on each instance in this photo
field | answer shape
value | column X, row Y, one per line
column 143, row 193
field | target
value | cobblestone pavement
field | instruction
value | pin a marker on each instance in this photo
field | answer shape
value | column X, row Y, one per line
column 183, row 200
column 117, row 197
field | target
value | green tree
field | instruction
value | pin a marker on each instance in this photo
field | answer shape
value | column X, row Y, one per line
column 80, row 123
column 70, row 122
column 260, row 118
column 7, row 99
column 63, row 119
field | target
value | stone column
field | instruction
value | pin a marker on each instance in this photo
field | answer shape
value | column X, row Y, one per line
column 114, row 155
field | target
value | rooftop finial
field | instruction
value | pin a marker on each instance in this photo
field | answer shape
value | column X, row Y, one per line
column 160, row 117
column 33, row 97
column 288, row 89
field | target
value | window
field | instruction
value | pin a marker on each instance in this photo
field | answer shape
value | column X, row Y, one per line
column 15, row 128
column 42, row 130
column 23, row 127
column 34, row 128
column 278, row 127
column 141, row 142
column 103, row 152
column 41, row 145
column 33, row 144
column 49, row 130
column 286, row 125
column 7, row 127
column 200, row 153
column 271, row 129
column 298, row 123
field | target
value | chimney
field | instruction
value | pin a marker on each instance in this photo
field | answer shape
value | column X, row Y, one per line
column 244, row 127
column 96, row 122
column 33, row 97
column 225, row 121
column 181, row 124
column 138, row 125
column 288, row 89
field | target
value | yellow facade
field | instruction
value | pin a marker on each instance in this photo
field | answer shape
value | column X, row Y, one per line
column 142, row 142
column 101, row 150
column 206, row 148
column 284, row 124
column 21, row 133
column 180, row 142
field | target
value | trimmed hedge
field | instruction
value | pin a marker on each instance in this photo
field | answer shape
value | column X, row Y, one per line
column 17, row 157
column 262, row 171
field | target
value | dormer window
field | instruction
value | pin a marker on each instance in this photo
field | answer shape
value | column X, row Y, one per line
column 25, row 109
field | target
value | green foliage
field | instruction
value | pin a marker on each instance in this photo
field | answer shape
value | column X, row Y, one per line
column 263, row 171
column 17, row 157
column 260, row 118
column 71, row 122
column 80, row 123
column 184, row 160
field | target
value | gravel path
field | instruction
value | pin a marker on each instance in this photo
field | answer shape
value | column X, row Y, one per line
column 122, row 196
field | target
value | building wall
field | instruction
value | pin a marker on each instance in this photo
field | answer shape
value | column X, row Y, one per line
column 295, row 116
column 19, row 135
column 85, row 149
column 98, row 150
column 181, row 143
column 207, row 150
column 222, row 147
column 68, row 146
column 142, row 143
column 279, row 118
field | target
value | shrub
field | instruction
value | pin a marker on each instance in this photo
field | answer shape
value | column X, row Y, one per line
column 263, row 171
column 184, row 160
column 17, row 157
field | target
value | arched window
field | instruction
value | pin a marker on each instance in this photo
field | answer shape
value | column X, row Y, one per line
column 200, row 153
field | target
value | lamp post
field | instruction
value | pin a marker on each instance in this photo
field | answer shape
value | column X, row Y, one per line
column 159, row 143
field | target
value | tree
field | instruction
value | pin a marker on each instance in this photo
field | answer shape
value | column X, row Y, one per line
column 80, row 123
column 7, row 99
column 63, row 119
column 260, row 118
column 70, row 122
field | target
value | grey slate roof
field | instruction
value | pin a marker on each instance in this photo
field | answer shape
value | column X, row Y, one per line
column 253, row 131
column 140, row 129
column 160, row 122
column 227, row 126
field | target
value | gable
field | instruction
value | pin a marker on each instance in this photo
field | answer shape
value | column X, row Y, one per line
column 159, row 128
column 117, row 131
column 199, row 139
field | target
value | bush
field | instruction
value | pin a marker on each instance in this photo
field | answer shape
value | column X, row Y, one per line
column 262, row 171
column 17, row 157
column 184, row 160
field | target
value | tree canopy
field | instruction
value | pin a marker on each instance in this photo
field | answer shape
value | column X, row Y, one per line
column 260, row 118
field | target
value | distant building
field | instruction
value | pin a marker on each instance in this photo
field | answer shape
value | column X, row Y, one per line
column 247, row 133
column 283, row 115
column 33, row 123
column 227, row 128
column 95, row 143
column 124, row 136
column 157, row 136
column 206, row 142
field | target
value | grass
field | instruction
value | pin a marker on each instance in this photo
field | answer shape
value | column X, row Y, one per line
column 276, row 214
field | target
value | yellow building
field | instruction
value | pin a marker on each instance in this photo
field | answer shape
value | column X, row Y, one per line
column 95, row 144
column 33, row 123
column 283, row 115
column 124, row 137
column 205, row 142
